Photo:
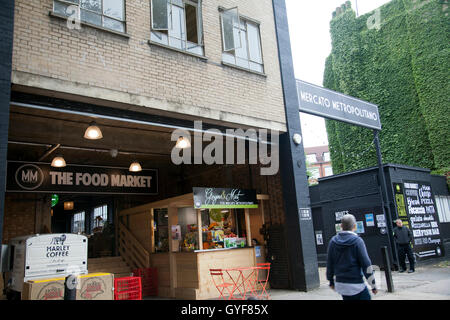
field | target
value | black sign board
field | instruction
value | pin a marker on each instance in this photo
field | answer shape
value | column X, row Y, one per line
column 43, row 178
column 334, row 105
column 215, row 198
column 423, row 218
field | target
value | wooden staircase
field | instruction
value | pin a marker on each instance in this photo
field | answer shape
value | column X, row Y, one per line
column 115, row 265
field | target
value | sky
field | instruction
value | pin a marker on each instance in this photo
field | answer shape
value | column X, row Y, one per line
column 309, row 27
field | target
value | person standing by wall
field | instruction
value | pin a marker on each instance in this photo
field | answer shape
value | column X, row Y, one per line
column 349, row 262
column 403, row 237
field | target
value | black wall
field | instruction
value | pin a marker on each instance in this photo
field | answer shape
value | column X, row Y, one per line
column 359, row 193
column 6, row 43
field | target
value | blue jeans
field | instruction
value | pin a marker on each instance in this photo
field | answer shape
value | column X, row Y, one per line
column 363, row 295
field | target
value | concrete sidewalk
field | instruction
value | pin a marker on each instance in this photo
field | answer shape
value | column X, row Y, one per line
column 431, row 281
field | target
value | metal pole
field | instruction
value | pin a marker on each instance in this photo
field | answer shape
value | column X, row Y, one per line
column 384, row 199
column 387, row 269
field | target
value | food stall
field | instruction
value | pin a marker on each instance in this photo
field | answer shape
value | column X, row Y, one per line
column 185, row 236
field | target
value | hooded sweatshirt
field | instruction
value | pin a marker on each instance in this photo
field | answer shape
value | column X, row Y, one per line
column 348, row 259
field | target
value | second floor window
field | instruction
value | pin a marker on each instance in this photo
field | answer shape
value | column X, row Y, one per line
column 177, row 23
column 311, row 158
column 241, row 41
column 109, row 14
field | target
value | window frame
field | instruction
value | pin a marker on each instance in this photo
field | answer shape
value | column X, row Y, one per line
column 444, row 216
column 311, row 161
column 83, row 213
column 104, row 214
column 246, row 20
column 102, row 15
column 184, row 42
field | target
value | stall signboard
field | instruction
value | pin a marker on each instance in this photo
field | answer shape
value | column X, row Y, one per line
column 214, row 198
column 334, row 105
column 79, row 179
column 423, row 218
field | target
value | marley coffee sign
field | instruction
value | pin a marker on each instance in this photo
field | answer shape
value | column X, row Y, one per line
column 214, row 198
column 415, row 199
column 41, row 177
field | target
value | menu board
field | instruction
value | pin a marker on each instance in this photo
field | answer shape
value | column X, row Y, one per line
column 423, row 218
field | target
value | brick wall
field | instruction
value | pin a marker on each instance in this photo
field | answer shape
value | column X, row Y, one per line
column 25, row 214
column 103, row 65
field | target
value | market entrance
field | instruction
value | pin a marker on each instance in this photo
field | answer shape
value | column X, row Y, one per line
column 61, row 181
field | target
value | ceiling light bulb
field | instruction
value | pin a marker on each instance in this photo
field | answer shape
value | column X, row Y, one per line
column 93, row 132
column 135, row 167
column 58, row 162
column 183, row 143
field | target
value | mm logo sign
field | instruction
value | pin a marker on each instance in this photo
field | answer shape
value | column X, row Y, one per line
column 29, row 177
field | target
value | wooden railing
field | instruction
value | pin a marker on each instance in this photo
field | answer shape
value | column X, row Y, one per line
column 131, row 250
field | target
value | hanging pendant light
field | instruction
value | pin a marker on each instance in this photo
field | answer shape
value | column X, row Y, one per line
column 58, row 162
column 135, row 167
column 93, row 132
column 183, row 143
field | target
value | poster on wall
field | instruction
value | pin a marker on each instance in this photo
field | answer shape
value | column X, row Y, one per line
column 365, row 220
column 319, row 238
column 370, row 222
column 423, row 219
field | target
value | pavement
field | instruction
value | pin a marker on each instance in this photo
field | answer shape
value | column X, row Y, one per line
column 431, row 281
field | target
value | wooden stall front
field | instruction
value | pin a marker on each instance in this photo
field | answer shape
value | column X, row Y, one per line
column 146, row 240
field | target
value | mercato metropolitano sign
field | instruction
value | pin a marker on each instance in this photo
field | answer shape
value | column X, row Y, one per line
column 334, row 105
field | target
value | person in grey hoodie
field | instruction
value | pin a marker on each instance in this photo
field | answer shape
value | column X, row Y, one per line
column 349, row 262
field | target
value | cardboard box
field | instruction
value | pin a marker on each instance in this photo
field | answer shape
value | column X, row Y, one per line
column 96, row 286
column 45, row 289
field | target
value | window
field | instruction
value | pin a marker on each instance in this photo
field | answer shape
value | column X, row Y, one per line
column 100, row 216
column 315, row 174
column 326, row 157
column 78, row 220
column 109, row 14
column 241, row 41
column 328, row 171
column 177, row 24
column 311, row 158
column 443, row 208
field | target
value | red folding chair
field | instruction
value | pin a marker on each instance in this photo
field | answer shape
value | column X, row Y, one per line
column 221, row 285
column 262, row 281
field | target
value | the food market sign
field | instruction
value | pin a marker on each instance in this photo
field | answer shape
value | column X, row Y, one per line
column 334, row 105
column 43, row 178
column 213, row 198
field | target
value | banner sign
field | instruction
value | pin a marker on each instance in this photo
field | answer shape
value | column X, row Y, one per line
column 334, row 105
column 77, row 179
column 423, row 218
column 214, row 198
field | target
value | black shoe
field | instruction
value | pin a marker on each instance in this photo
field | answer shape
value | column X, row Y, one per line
column 402, row 270
column 411, row 271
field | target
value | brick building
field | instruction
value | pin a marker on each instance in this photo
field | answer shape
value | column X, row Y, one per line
column 140, row 70
column 318, row 162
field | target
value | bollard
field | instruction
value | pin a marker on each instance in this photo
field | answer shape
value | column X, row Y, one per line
column 387, row 269
column 70, row 287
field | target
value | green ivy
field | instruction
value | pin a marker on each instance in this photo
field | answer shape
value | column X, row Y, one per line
column 403, row 67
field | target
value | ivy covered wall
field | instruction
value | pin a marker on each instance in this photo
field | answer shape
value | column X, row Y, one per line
column 397, row 57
